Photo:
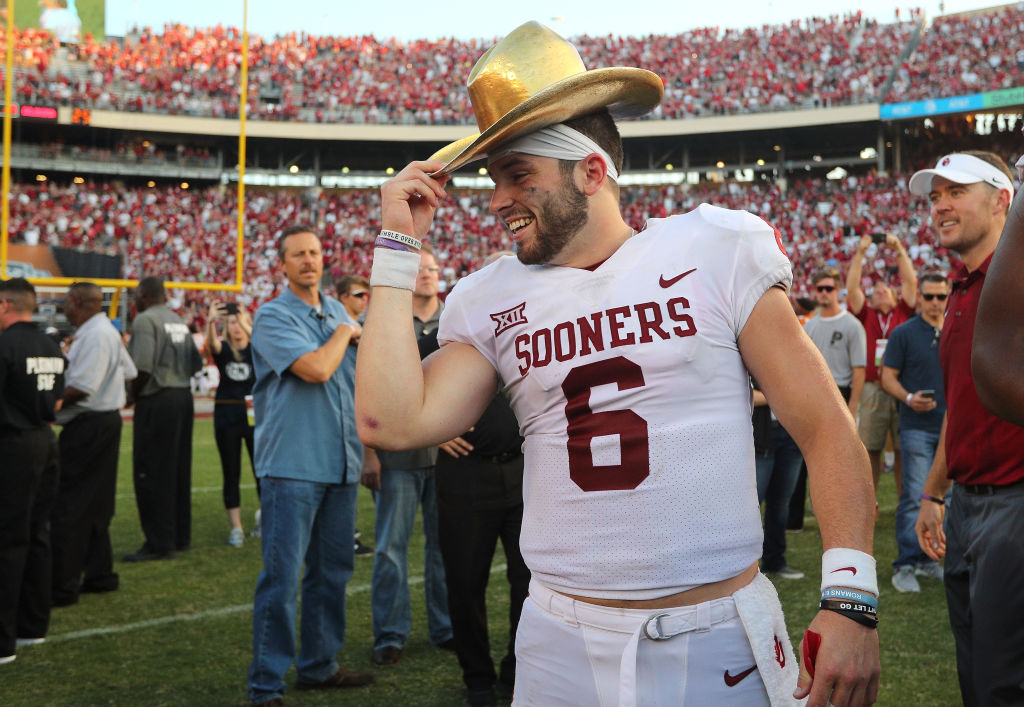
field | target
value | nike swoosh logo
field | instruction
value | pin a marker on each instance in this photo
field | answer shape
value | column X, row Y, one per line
column 668, row 283
column 733, row 680
column 852, row 570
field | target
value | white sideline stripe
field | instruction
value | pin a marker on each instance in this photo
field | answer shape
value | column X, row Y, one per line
column 195, row 489
column 200, row 615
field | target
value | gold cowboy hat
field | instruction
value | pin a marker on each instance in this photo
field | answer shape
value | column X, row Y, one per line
column 532, row 79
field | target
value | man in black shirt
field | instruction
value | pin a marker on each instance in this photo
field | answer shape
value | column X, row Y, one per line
column 31, row 382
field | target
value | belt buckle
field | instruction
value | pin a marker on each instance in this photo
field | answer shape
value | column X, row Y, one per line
column 657, row 625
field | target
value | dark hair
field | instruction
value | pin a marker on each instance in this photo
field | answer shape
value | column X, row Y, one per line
column 344, row 284
column 819, row 275
column 20, row 293
column 86, row 291
column 600, row 128
column 152, row 287
column 933, row 277
column 291, row 231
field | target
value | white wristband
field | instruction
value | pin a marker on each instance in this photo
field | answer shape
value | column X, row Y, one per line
column 394, row 268
column 401, row 238
column 853, row 569
column 909, row 396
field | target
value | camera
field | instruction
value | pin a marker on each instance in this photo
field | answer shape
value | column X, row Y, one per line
column 231, row 308
column 878, row 238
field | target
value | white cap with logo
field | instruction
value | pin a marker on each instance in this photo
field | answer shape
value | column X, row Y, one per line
column 962, row 169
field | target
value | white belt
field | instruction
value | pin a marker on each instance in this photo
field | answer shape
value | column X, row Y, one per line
column 650, row 624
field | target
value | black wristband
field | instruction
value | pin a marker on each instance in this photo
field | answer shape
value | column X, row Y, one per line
column 871, row 621
column 848, row 605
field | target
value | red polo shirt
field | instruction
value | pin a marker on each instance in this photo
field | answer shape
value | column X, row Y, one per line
column 879, row 326
column 980, row 447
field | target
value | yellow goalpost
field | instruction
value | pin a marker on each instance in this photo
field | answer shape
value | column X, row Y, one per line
column 118, row 283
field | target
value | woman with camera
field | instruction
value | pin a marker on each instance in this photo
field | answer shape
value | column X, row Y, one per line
column 233, row 357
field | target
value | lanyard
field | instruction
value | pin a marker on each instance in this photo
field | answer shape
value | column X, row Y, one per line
column 888, row 323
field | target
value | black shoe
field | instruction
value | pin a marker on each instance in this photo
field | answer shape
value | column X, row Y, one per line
column 63, row 599
column 481, row 697
column 109, row 583
column 448, row 645
column 363, row 550
column 386, row 656
column 144, row 554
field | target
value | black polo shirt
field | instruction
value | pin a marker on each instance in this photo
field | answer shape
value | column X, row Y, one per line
column 31, row 377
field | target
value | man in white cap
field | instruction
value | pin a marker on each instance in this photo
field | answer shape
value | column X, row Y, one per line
column 997, row 360
column 981, row 455
column 626, row 359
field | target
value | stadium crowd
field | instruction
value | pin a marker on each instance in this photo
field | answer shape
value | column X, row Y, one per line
column 810, row 63
column 183, row 231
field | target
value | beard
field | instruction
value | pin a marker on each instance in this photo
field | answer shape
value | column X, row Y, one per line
column 560, row 217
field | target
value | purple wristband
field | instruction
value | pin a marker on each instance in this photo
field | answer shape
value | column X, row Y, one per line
column 940, row 501
column 382, row 242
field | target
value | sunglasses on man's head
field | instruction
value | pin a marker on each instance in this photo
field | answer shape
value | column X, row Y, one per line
column 825, row 288
column 359, row 293
column 940, row 298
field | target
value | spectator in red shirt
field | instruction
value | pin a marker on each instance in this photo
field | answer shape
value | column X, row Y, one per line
column 878, row 412
column 982, row 455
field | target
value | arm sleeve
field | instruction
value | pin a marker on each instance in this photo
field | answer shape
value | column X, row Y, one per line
column 858, row 345
column 760, row 264
column 143, row 344
column 87, row 373
column 279, row 339
column 455, row 323
column 895, row 350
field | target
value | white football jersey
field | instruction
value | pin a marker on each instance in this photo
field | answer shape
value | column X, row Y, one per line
column 633, row 400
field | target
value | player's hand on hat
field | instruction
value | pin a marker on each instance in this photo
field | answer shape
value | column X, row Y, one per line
column 409, row 200
column 846, row 667
column 928, row 527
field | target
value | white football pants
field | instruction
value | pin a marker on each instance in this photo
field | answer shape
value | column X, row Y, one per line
column 571, row 653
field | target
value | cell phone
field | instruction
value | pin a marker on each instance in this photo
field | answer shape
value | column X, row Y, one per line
column 878, row 238
column 231, row 308
column 928, row 394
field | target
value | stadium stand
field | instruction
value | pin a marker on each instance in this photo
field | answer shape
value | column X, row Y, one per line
column 805, row 64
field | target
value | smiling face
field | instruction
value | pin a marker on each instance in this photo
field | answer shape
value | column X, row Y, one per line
column 539, row 205
column 964, row 215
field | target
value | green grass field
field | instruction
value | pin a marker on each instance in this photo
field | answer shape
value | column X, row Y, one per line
column 179, row 632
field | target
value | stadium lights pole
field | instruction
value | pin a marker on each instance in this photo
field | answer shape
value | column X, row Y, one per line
column 5, row 182
column 244, row 101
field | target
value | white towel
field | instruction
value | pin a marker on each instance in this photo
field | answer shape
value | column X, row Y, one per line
column 761, row 614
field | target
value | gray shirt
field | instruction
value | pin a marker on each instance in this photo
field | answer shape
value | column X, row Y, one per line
column 162, row 346
column 98, row 365
column 842, row 342
column 415, row 458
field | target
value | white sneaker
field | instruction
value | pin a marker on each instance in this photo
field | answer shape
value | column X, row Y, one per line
column 236, row 538
column 22, row 642
column 255, row 532
column 904, row 580
column 932, row 570
column 4, row 659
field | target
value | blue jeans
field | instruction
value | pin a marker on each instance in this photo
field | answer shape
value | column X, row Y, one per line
column 777, row 471
column 917, row 448
column 311, row 522
column 401, row 491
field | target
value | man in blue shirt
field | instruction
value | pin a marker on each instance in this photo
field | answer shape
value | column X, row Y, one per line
column 308, row 459
column 911, row 373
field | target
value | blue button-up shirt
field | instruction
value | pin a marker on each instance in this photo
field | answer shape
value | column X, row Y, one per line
column 304, row 431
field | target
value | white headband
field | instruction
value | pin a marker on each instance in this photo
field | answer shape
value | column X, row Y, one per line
column 962, row 169
column 560, row 142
